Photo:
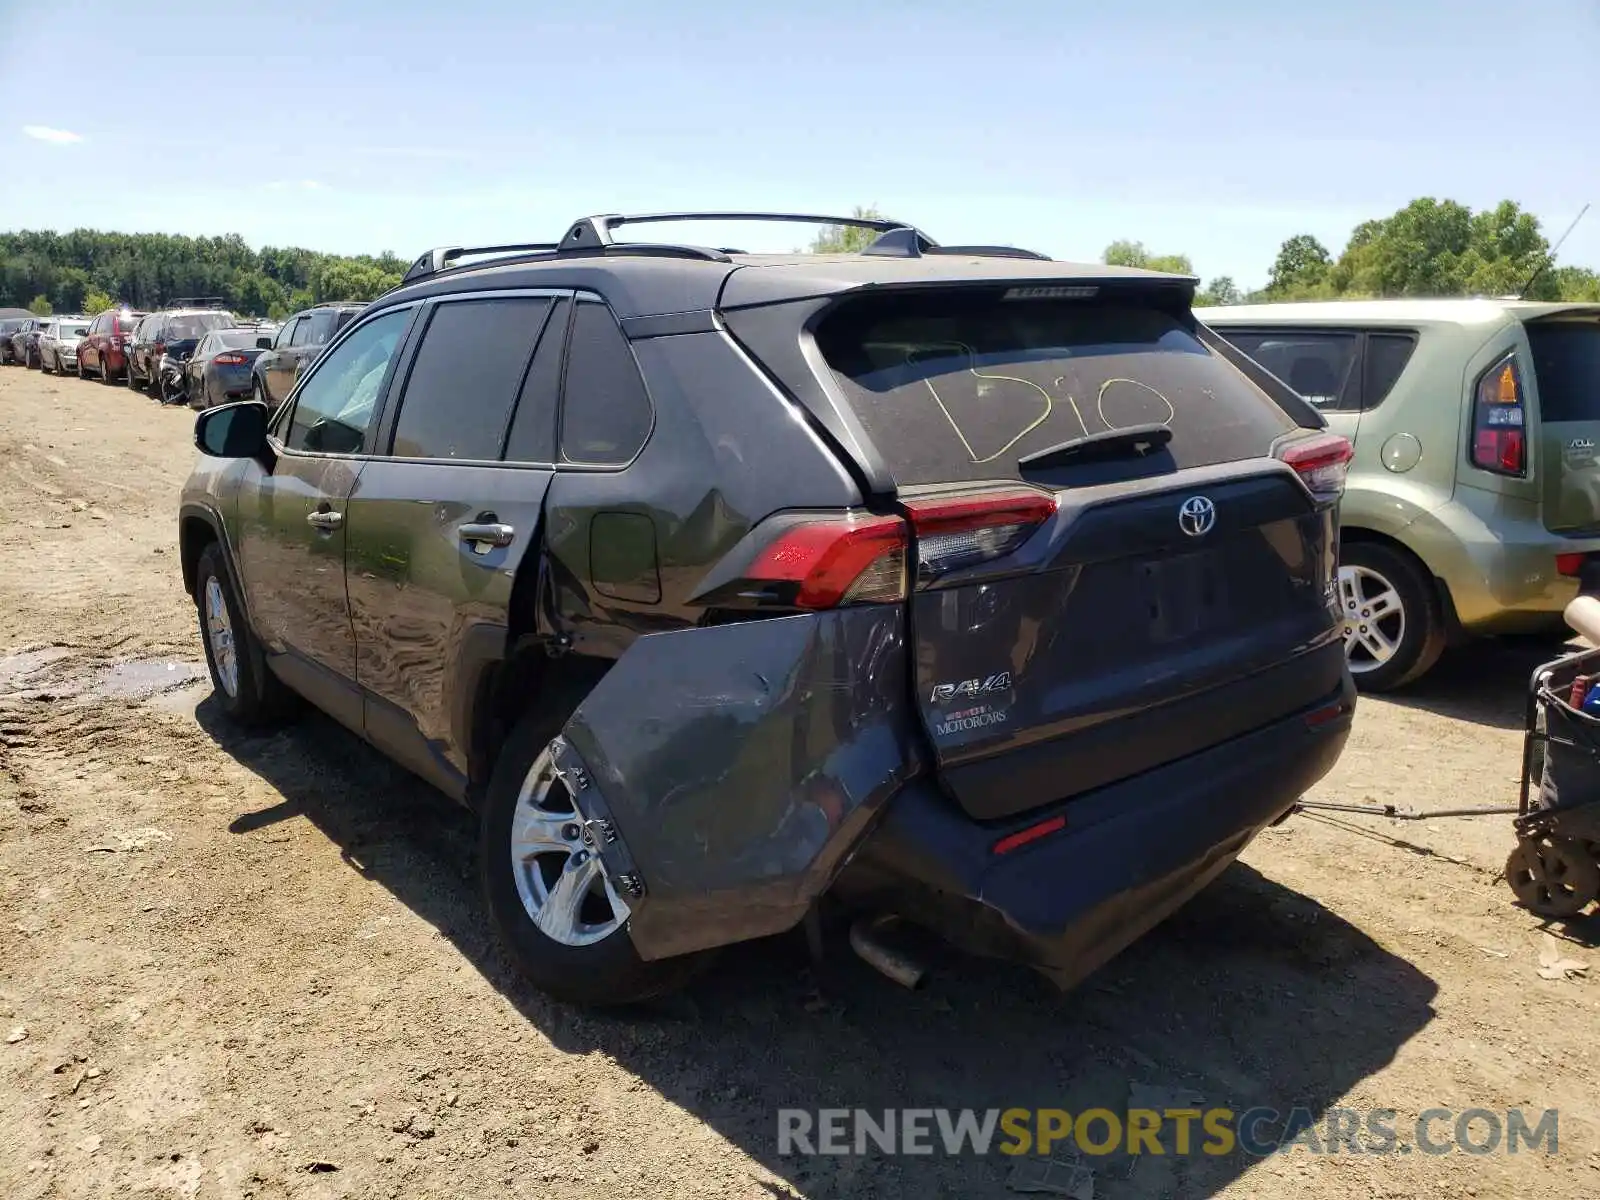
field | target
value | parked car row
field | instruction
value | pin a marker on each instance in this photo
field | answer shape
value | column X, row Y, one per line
column 194, row 351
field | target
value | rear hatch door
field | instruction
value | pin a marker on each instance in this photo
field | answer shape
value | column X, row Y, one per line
column 1565, row 353
column 1141, row 598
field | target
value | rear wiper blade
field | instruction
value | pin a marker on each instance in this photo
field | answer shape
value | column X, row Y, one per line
column 1136, row 441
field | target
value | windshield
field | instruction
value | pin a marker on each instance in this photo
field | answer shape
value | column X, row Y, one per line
column 1566, row 369
column 957, row 387
column 72, row 331
column 196, row 325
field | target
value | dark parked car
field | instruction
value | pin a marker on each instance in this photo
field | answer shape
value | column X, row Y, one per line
column 219, row 368
column 293, row 345
column 21, row 347
column 102, row 351
column 8, row 326
column 965, row 585
column 168, row 335
column 58, row 344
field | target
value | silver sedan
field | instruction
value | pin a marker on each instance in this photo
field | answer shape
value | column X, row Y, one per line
column 58, row 345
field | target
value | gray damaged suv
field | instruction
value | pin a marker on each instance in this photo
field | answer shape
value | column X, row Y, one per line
column 952, row 583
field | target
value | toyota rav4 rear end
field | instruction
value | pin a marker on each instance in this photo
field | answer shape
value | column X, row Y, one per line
column 1077, row 646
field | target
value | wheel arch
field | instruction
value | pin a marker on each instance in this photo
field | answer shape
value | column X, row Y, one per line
column 1358, row 535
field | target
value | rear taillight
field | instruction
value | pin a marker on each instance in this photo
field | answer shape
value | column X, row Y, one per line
column 963, row 531
column 1322, row 463
column 826, row 561
column 1570, row 565
column 1499, row 420
column 231, row 360
column 829, row 561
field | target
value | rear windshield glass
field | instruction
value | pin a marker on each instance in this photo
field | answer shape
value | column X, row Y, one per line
column 243, row 339
column 1566, row 369
column 954, row 387
column 196, row 325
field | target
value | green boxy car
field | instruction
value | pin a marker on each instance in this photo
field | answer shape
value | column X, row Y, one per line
column 1473, row 501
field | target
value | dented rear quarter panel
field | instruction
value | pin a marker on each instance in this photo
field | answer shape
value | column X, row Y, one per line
column 741, row 763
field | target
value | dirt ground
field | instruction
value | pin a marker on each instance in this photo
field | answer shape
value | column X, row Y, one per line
column 255, row 966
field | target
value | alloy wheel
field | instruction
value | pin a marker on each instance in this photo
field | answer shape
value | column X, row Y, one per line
column 219, row 632
column 1374, row 618
column 563, row 885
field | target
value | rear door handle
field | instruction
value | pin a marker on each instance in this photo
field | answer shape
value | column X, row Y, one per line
column 487, row 533
column 325, row 520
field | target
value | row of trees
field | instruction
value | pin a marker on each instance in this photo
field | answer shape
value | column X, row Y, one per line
column 87, row 271
column 1428, row 248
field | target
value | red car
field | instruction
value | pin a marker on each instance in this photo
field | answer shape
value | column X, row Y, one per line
column 103, row 352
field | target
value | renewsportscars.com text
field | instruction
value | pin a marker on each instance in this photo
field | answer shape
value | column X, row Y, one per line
column 1174, row 1131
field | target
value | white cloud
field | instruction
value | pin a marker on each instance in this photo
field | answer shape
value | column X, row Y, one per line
column 43, row 133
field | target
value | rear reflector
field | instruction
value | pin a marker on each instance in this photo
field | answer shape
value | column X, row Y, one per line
column 1322, row 463
column 1322, row 716
column 1570, row 565
column 1032, row 833
column 962, row 531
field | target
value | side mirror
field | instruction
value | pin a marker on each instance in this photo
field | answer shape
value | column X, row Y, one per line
column 263, row 343
column 232, row 430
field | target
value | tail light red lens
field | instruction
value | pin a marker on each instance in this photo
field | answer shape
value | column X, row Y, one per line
column 1322, row 462
column 851, row 559
column 831, row 560
column 1499, row 420
column 231, row 360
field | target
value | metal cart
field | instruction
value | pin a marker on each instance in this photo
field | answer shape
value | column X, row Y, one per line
column 1555, row 868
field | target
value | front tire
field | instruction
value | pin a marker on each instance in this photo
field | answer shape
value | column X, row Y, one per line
column 555, row 910
column 1393, row 624
column 245, row 688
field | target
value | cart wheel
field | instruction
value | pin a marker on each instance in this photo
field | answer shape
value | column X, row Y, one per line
column 1554, row 876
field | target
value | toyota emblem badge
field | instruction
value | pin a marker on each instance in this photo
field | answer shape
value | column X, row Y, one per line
column 1196, row 516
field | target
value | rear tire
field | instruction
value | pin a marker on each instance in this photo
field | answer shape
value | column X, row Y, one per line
column 603, row 973
column 1394, row 626
column 245, row 688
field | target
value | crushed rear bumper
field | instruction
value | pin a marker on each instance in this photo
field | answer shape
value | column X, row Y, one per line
column 1128, row 856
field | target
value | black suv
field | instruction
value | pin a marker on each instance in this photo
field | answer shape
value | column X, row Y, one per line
column 171, row 334
column 952, row 583
column 295, row 344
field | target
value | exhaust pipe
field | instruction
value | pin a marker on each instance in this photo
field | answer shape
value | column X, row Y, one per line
column 867, row 940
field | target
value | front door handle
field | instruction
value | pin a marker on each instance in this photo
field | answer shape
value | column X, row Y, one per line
column 322, row 519
column 487, row 533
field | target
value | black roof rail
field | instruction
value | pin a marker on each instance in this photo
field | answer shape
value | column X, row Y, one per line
column 440, row 257
column 197, row 302
column 592, row 233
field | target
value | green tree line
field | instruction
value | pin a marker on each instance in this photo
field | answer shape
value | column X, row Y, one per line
column 1428, row 248
column 88, row 271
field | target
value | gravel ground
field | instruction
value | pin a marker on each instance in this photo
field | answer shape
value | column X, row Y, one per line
column 255, row 966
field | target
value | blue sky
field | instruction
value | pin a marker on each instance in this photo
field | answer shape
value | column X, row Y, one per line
column 1214, row 129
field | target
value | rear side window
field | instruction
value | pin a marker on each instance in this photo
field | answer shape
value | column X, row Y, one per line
column 303, row 335
column 1387, row 356
column 956, row 386
column 1566, row 369
column 465, row 378
column 1319, row 365
column 605, row 413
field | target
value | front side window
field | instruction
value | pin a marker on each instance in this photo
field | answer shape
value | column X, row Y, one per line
column 303, row 333
column 333, row 410
column 465, row 377
column 605, row 414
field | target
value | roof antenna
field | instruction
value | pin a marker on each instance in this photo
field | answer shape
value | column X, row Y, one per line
column 1550, row 256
